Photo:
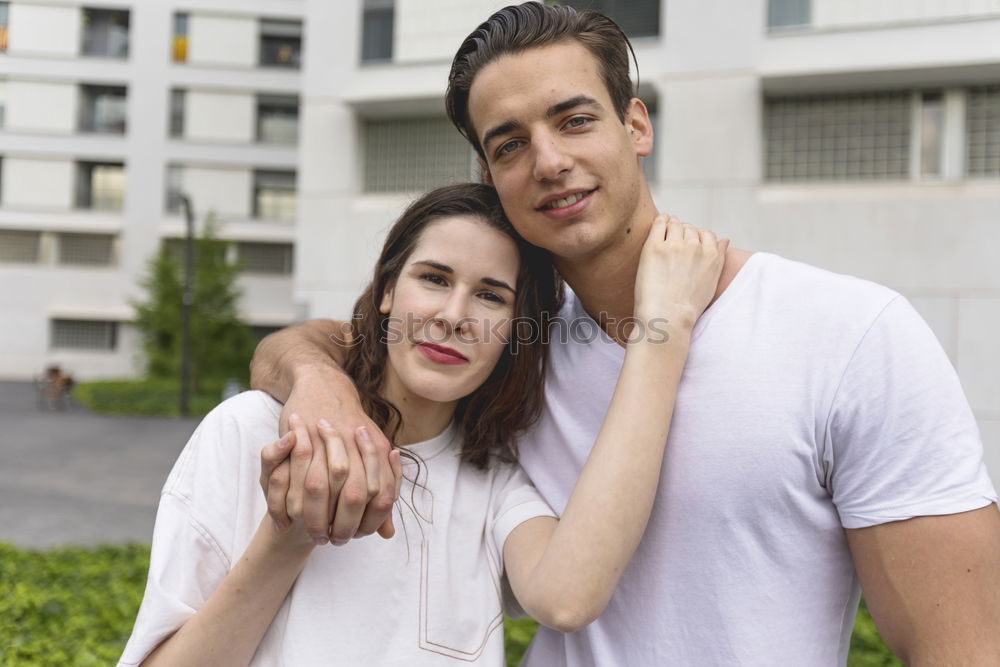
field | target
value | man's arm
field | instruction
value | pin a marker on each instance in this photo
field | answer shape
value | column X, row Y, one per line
column 301, row 367
column 932, row 584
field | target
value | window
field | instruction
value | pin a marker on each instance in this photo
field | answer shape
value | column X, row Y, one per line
column 3, row 100
column 274, row 195
column 277, row 119
column 4, row 9
column 177, row 97
column 175, row 248
column 931, row 134
column 414, row 154
column 175, row 176
column 376, row 30
column 100, row 186
column 17, row 247
column 259, row 331
column 84, row 334
column 789, row 13
column 842, row 137
column 983, row 131
column 86, row 249
column 105, row 32
column 102, row 109
column 638, row 18
column 180, row 42
column 280, row 43
column 265, row 257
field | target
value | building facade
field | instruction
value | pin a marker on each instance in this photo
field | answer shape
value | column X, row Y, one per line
column 862, row 137
column 107, row 114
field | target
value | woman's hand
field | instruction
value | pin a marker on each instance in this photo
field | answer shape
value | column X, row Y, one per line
column 306, row 482
column 678, row 273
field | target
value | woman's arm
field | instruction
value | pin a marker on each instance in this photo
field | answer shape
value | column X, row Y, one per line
column 564, row 573
column 227, row 629
column 300, row 366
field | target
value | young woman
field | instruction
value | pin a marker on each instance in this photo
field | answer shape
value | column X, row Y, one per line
column 439, row 370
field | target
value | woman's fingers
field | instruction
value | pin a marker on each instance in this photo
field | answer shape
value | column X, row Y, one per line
column 338, row 465
column 301, row 458
column 387, row 529
column 316, row 493
column 274, row 474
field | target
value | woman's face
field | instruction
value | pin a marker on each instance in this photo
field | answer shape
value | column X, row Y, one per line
column 450, row 309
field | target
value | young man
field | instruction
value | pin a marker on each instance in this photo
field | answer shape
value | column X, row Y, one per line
column 820, row 435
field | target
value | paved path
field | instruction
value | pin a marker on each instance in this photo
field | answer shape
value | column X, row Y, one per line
column 77, row 478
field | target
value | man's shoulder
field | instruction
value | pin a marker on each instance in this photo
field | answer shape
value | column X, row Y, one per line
column 792, row 278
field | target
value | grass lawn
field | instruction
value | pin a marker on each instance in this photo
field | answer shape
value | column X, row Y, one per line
column 75, row 607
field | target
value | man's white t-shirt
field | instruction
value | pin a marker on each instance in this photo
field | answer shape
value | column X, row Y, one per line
column 431, row 595
column 810, row 402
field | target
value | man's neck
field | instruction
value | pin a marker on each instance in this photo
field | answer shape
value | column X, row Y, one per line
column 604, row 281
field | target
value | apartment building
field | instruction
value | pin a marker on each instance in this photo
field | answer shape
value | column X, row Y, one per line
column 862, row 137
column 108, row 113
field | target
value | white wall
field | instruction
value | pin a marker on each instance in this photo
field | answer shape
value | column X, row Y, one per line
column 222, row 40
column 32, row 183
column 42, row 29
column 844, row 13
column 41, row 107
column 433, row 29
column 212, row 116
column 226, row 191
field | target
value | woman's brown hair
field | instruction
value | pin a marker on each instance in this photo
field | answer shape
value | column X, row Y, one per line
column 510, row 400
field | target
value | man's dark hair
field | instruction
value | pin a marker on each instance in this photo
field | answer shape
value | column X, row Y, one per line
column 518, row 28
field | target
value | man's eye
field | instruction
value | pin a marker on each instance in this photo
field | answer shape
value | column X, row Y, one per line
column 577, row 122
column 507, row 148
column 434, row 278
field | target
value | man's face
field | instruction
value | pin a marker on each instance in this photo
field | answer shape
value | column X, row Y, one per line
column 565, row 167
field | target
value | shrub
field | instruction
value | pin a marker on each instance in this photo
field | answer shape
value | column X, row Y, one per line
column 69, row 606
column 153, row 396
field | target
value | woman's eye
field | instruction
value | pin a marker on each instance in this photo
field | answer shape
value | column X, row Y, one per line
column 434, row 278
column 492, row 296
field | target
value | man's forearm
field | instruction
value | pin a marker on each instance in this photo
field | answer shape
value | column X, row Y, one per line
column 313, row 349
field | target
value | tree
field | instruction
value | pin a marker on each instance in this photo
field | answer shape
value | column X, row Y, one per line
column 221, row 343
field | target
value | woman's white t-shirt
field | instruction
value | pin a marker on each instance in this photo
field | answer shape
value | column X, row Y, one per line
column 431, row 595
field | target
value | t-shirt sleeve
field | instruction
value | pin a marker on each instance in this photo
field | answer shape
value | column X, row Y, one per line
column 901, row 439
column 195, row 533
column 515, row 500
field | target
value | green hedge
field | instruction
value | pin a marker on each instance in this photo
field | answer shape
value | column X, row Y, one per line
column 74, row 607
column 152, row 397
column 69, row 606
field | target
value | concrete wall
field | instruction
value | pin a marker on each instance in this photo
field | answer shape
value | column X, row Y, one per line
column 35, row 183
column 45, row 30
column 222, row 40
column 39, row 106
column 219, row 116
column 854, row 13
column 226, row 191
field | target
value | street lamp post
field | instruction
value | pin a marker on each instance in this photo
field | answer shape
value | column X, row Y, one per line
column 186, row 302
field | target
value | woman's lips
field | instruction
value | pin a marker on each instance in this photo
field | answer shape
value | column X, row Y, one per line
column 440, row 354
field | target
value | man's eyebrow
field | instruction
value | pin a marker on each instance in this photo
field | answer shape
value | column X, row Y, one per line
column 566, row 105
column 501, row 129
column 554, row 110
column 486, row 280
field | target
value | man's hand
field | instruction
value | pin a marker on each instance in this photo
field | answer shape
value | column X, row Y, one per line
column 363, row 474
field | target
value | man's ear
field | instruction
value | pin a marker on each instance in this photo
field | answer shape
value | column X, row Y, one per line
column 484, row 170
column 640, row 126
column 385, row 307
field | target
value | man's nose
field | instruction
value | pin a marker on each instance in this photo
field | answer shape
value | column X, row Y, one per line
column 551, row 159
